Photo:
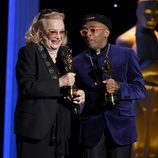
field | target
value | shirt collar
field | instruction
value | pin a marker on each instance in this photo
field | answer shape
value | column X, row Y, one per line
column 93, row 52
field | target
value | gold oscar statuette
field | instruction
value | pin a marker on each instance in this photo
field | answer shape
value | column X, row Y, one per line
column 110, row 98
column 69, row 91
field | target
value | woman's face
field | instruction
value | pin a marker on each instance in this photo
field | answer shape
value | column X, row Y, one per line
column 54, row 33
column 147, row 14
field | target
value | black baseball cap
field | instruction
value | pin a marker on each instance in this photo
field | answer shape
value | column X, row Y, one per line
column 98, row 18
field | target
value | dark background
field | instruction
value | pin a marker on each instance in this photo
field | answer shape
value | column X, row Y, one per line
column 123, row 17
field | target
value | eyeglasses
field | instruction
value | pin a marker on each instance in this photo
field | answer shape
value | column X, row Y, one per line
column 84, row 32
column 55, row 33
column 47, row 11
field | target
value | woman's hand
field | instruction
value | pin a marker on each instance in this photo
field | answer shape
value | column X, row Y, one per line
column 67, row 79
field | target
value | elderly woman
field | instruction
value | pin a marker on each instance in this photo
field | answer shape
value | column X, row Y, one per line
column 42, row 118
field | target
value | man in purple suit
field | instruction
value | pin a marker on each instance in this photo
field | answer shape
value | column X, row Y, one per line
column 112, row 81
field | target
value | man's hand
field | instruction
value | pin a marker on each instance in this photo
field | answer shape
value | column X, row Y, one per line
column 80, row 97
column 111, row 85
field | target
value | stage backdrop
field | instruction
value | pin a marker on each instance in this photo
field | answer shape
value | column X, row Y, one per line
column 20, row 15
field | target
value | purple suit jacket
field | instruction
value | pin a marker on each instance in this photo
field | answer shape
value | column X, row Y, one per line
column 120, row 120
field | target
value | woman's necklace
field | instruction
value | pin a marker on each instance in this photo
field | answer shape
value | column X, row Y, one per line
column 53, row 55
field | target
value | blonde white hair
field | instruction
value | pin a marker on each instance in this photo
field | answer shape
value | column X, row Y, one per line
column 35, row 31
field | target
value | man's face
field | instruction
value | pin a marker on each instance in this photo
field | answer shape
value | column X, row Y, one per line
column 147, row 14
column 95, row 34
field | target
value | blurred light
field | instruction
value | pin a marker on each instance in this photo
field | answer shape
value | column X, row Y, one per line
column 115, row 5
